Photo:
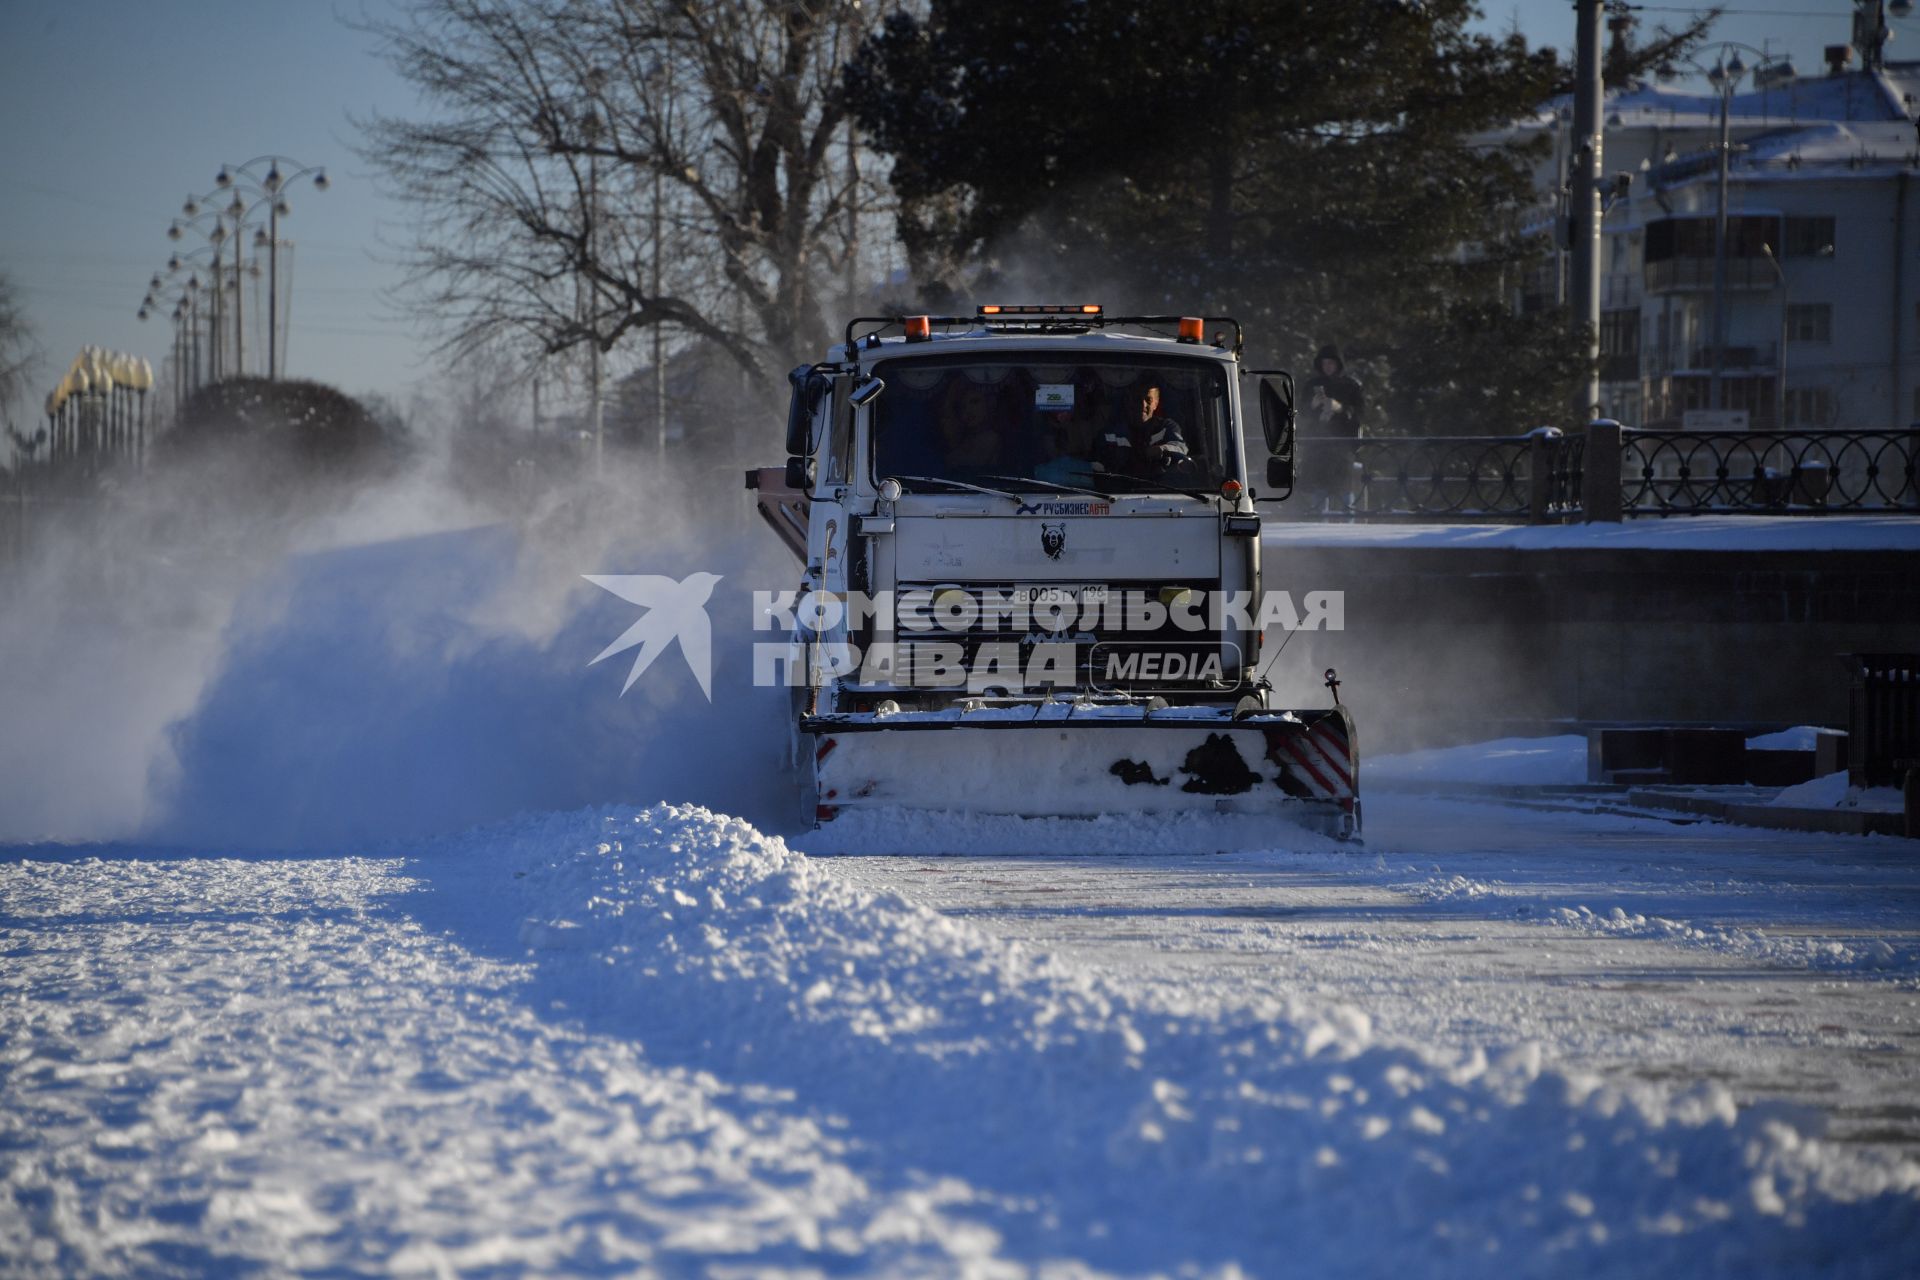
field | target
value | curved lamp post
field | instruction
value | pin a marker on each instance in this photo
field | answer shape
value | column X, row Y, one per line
column 216, row 240
column 1729, row 68
column 179, row 311
column 185, row 312
column 272, row 185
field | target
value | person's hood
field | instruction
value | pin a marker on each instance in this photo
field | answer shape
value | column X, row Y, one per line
column 1330, row 352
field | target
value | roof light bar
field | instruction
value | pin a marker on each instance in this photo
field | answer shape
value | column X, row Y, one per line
column 1047, row 309
column 919, row 328
column 1192, row 329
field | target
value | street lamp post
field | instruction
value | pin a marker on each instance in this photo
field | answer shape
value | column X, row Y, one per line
column 1588, row 151
column 1728, row 69
column 1870, row 29
column 216, row 238
column 273, row 183
column 1780, row 368
column 193, row 327
column 1724, row 77
column 238, row 212
column 186, row 312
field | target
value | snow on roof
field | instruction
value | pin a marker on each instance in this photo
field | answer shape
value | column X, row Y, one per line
column 1833, row 143
column 1820, row 151
column 1857, row 97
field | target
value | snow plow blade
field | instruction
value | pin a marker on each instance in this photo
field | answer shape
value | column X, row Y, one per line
column 1065, row 760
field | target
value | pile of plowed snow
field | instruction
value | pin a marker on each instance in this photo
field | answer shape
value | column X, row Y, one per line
column 1275, row 1137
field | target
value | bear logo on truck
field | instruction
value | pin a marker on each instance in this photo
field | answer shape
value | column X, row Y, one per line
column 1053, row 539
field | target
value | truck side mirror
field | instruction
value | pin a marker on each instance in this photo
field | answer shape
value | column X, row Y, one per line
column 1277, row 422
column 808, row 389
column 1279, row 477
column 1276, row 413
column 800, row 475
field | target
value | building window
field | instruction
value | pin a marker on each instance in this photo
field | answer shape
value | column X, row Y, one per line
column 1810, row 322
column 1619, row 346
column 1809, row 407
column 1809, row 237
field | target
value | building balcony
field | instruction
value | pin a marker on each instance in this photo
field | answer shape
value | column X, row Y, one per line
column 1686, row 275
column 1619, row 292
column 1743, row 359
column 1698, row 363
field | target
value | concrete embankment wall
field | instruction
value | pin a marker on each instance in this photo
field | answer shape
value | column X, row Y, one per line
column 1446, row 644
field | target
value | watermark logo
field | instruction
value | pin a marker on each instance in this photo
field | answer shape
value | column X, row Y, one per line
column 674, row 611
column 1029, row 638
column 982, row 639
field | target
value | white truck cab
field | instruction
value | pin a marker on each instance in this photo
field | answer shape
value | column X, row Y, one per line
column 1031, row 572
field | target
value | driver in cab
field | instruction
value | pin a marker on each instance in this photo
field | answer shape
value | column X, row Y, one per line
column 1147, row 444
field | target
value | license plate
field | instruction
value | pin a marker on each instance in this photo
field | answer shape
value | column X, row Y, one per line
column 1047, row 594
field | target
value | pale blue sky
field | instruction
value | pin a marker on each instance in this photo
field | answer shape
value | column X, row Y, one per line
column 115, row 111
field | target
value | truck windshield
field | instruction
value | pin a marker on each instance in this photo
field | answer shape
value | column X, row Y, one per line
column 1111, row 423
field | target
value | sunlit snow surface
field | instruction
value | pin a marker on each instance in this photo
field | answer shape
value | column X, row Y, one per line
column 656, row 1039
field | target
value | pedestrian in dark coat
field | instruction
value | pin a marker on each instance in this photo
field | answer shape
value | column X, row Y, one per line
column 1334, row 398
column 1334, row 405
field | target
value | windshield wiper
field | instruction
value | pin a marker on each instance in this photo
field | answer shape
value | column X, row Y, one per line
column 1156, row 486
column 959, row 485
column 1053, row 485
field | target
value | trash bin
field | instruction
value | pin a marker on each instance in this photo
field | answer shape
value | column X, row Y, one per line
column 1812, row 482
column 1883, row 717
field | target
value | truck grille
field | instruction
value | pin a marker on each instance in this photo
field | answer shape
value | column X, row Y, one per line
column 1111, row 650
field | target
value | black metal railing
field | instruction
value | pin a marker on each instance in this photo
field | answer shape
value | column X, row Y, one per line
column 1543, row 476
column 1533, row 476
column 1568, row 477
column 1478, row 475
column 1679, row 472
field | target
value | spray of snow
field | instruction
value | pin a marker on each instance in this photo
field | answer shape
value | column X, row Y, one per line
column 1560, row 760
column 354, row 665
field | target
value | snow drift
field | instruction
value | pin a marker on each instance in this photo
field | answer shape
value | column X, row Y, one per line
column 1281, row 1136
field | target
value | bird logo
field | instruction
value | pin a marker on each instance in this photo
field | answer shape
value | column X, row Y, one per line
column 674, row 611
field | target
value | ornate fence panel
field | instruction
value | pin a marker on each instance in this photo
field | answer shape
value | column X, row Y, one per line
column 1443, row 475
column 1541, row 476
column 1686, row 472
column 1535, row 476
column 1568, row 461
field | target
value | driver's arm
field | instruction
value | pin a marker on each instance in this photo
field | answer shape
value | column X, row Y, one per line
column 1169, row 443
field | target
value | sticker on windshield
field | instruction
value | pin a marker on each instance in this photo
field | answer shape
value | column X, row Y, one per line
column 1053, row 395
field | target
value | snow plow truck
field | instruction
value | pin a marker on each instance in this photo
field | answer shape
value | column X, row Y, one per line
column 1031, row 575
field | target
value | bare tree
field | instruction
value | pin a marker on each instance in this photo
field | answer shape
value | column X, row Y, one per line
column 591, row 169
column 19, row 353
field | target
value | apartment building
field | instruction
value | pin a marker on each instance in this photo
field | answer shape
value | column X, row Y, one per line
column 1822, row 283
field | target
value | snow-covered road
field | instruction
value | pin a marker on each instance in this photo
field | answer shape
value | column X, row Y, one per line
column 213, row 1065
column 1784, row 966
column 656, row 1039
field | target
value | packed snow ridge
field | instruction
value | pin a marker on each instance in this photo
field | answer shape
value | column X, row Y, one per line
column 659, row 1038
column 1276, row 1134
